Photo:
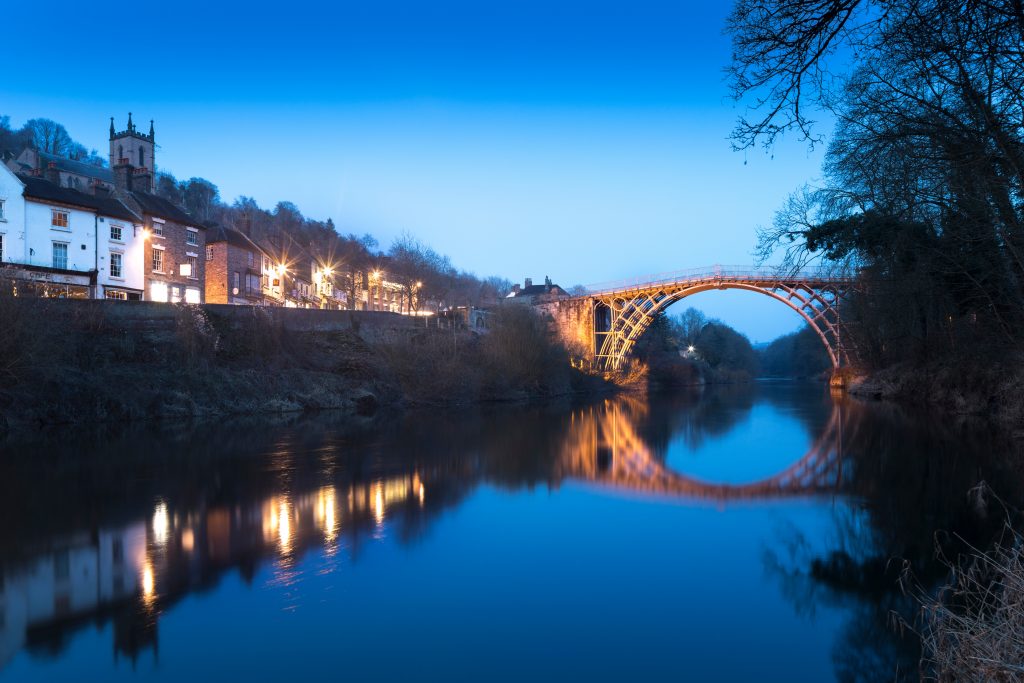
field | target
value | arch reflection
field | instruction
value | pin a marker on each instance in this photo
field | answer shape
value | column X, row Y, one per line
column 604, row 444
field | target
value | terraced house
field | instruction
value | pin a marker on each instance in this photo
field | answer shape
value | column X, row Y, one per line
column 68, row 229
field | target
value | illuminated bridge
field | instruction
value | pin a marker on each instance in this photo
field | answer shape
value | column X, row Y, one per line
column 609, row 318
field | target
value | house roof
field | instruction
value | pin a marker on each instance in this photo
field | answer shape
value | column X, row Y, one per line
column 39, row 188
column 161, row 208
column 536, row 290
column 235, row 238
column 76, row 167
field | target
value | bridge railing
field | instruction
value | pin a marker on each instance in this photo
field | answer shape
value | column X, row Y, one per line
column 718, row 272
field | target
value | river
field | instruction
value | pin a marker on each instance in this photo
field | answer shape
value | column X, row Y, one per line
column 738, row 533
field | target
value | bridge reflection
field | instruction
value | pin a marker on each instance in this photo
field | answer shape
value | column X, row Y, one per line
column 603, row 444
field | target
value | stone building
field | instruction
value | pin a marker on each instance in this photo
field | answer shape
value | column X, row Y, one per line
column 530, row 293
column 175, row 241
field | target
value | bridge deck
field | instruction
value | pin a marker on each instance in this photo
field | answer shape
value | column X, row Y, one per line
column 766, row 276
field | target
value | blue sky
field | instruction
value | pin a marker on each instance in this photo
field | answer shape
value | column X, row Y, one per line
column 585, row 141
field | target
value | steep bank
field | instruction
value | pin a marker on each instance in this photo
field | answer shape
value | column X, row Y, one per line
column 68, row 362
column 983, row 387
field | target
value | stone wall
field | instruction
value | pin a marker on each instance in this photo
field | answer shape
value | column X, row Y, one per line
column 150, row 315
column 573, row 322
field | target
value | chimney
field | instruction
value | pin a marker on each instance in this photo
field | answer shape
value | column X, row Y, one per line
column 529, row 282
column 99, row 188
column 142, row 180
column 53, row 173
column 123, row 175
column 515, row 289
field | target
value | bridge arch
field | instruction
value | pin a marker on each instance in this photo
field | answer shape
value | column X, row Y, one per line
column 621, row 313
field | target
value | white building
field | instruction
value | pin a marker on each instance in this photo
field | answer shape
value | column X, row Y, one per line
column 59, row 242
column 12, row 217
column 79, row 575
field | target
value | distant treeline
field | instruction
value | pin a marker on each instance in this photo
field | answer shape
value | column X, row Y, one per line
column 720, row 353
column 406, row 261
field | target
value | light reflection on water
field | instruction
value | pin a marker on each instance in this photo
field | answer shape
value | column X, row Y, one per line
column 439, row 521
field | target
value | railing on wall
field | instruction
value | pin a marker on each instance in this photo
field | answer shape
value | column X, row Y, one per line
column 723, row 273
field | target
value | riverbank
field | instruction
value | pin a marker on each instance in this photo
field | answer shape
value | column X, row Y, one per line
column 987, row 388
column 64, row 362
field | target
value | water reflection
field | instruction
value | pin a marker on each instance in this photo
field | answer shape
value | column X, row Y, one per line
column 604, row 444
column 121, row 537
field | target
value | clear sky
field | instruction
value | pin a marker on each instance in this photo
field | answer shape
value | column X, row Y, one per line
column 585, row 141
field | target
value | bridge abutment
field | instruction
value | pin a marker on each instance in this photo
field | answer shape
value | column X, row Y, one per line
column 572, row 321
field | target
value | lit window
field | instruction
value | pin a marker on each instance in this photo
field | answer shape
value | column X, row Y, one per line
column 158, row 260
column 193, row 266
column 116, row 231
column 209, row 253
column 175, row 294
column 191, row 236
column 191, row 295
column 60, row 255
column 59, row 218
column 116, row 294
column 158, row 291
column 115, row 265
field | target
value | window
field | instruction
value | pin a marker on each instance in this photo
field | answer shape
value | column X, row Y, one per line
column 158, row 291
column 1, row 247
column 158, row 228
column 2, row 217
column 252, row 260
column 252, row 283
column 192, row 295
column 209, row 253
column 175, row 294
column 193, row 266
column 115, row 264
column 234, row 282
column 59, row 218
column 60, row 255
column 116, row 294
column 116, row 232
column 142, row 157
column 191, row 236
column 158, row 260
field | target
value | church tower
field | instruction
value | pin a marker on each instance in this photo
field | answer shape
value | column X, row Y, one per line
column 132, row 157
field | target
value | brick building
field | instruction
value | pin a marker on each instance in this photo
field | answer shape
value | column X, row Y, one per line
column 238, row 271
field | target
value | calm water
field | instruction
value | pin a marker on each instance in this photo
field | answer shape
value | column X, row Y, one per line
column 740, row 534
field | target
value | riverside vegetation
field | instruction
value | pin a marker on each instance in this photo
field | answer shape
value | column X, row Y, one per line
column 69, row 362
column 923, row 197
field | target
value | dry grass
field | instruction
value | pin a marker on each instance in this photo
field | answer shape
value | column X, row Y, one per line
column 973, row 629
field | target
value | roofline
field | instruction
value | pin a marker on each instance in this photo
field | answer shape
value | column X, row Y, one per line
column 90, row 209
